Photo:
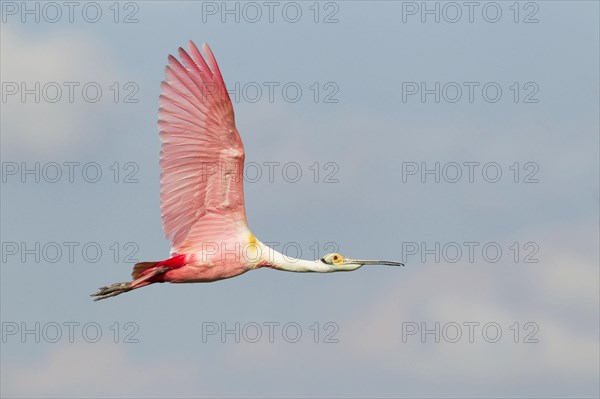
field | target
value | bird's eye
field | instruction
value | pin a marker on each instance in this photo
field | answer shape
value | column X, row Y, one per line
column 331, row 259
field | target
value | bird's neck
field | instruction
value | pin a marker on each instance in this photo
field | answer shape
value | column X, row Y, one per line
column 279, row 261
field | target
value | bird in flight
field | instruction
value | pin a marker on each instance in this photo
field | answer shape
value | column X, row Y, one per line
column 201, row 187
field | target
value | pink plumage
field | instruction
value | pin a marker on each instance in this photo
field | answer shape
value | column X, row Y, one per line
column 201, row 186
column 202, row 155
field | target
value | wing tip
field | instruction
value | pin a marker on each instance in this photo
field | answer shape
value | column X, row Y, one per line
column 192, row 46
column 172, row 59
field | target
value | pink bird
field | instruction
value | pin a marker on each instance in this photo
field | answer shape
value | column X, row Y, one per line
column 201, row 193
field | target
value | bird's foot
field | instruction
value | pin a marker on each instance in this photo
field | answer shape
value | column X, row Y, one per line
column 112, row 290
column 118, row 288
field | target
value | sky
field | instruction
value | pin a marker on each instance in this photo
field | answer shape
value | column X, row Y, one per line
column 459, row 138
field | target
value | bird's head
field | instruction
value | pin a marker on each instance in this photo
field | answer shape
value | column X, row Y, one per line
column 340, row 263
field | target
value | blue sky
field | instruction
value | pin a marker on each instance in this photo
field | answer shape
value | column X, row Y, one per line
column 372, row 142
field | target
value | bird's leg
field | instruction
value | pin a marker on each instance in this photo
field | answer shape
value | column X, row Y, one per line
column 119, row 288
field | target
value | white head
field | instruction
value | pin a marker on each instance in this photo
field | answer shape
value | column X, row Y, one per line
column 340, row 263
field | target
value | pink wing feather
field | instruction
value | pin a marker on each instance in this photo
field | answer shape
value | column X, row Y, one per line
column 202, row 155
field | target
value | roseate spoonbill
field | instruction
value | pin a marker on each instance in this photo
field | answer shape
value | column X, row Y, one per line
column 201, row 193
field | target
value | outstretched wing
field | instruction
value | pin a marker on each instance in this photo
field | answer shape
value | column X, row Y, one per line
column 202, row 155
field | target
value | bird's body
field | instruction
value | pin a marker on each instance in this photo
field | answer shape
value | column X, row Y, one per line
column 202, row 197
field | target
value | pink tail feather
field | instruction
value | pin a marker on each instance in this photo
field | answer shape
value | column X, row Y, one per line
column 140, row 268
